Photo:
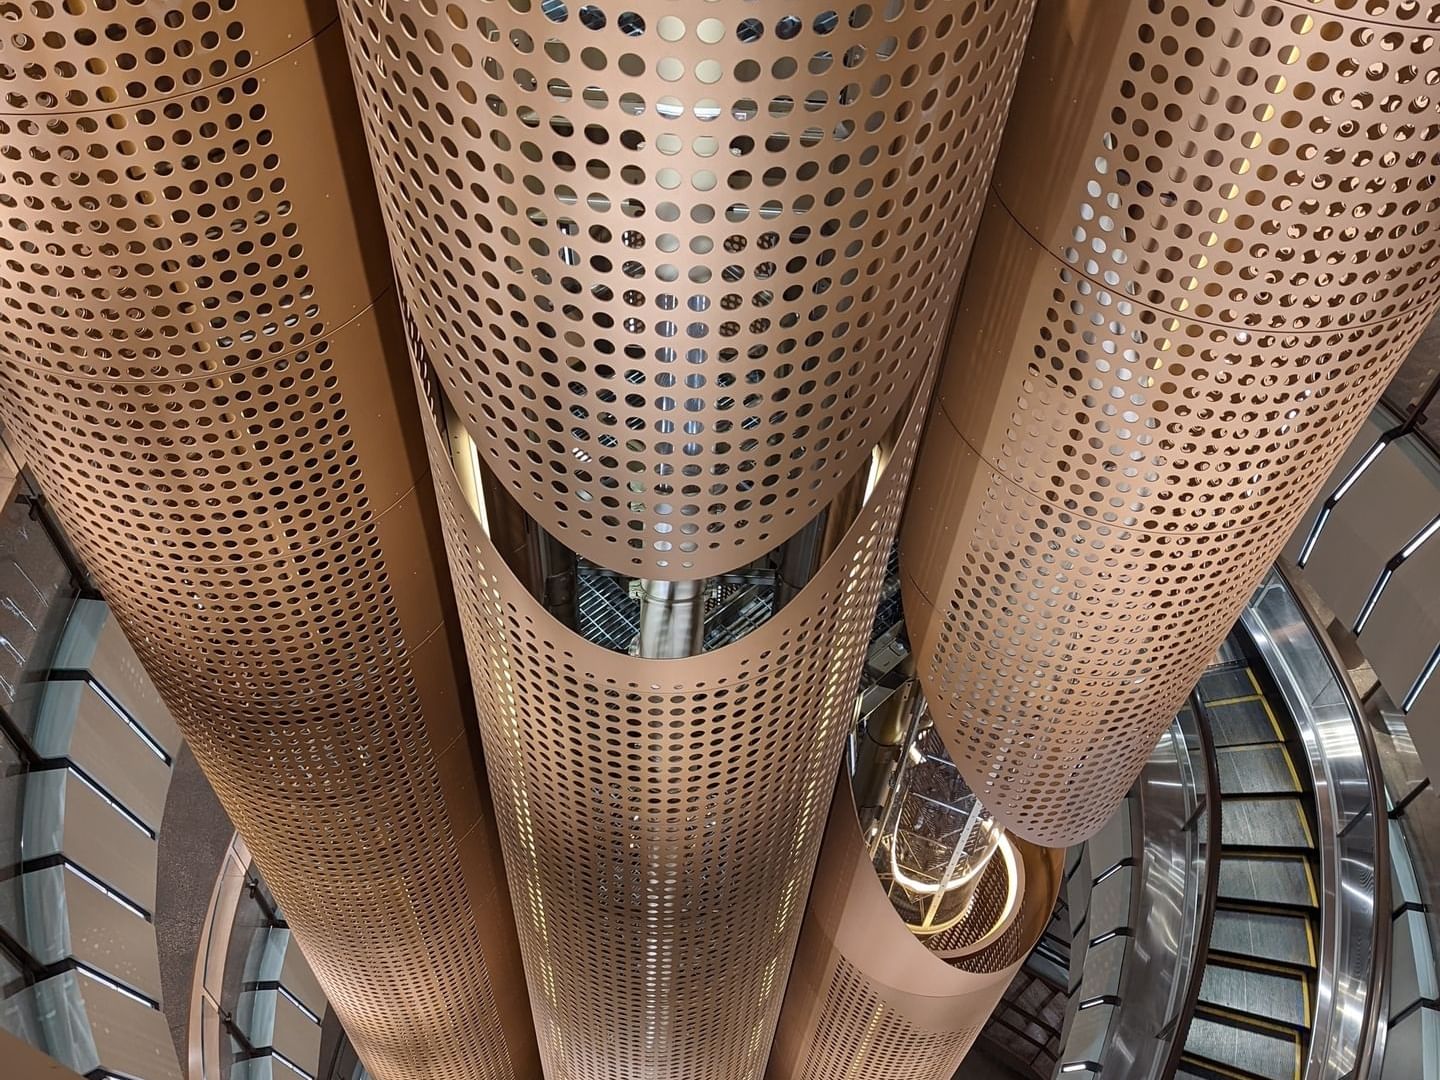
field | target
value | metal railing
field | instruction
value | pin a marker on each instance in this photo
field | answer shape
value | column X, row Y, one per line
column 1152, row 875
column 1347, row 1037
column 1205, row 820
column 238, row 983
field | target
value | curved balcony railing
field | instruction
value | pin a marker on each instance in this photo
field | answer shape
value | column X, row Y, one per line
column 86, row 752
column 1149, row 871
column 1364, row 557
column 256, row 1011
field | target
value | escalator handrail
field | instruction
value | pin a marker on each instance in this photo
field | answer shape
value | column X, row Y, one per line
column 1373, row 1029
column 1371, row 1042
column 1210, row 892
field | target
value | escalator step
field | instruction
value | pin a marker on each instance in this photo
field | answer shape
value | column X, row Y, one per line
column 1225, row 684
column 1262, row 994
column 1260, row 769
column 1267, row 880
column 1267, row 935
column 1264, row 823
column 1239, row 722
column 1271, row 1055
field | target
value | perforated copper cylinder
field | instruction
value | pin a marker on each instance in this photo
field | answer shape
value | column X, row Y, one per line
column 1212, row 238
column 868, row 999
column 198, row 355
column 678, row 270
column 661, row 817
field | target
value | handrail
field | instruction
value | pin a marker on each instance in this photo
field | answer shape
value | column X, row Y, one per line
column 1375, row 1022
column 1348, row 1033
column 1347, row 1041
column 1209, row 897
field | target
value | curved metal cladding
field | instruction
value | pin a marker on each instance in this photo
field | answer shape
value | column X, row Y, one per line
column 680, row 267
column 679, row 272
column 660, row 818
column 869, row 999
column 194, row 347
column 1212, row 239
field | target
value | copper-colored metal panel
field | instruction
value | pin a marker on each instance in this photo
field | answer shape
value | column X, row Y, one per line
column 869, row 999
column 1206, row 254
column 677, row 272
column 197, row 349
column 1250, row 165
column 679, row 269
column 661, row 818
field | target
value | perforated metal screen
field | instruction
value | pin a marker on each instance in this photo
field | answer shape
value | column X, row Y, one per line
column 680, row 267
column 1201, row 265
column 196, row 351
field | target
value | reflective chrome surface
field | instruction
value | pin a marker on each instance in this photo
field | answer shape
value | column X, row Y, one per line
column 1176, row 862
column 1143, row 934
column 1145, row 961
column 1354, row 882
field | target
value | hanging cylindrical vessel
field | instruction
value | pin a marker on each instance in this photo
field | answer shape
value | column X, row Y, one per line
column 868, row 998
column 677, row 277
column 198, row 350
column 1210, row 242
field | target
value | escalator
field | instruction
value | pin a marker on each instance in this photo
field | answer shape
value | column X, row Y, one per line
column 1236, row 926
column 1255, row 1007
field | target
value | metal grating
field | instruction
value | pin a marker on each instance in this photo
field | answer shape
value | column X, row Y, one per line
column 605, row 611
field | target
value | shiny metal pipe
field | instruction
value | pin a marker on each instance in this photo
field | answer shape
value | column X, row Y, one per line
column 672, row 619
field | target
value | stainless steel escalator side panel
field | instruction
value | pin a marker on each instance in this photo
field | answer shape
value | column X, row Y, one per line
column 1353, row 951
column 1165, row 947
column 1161, row 950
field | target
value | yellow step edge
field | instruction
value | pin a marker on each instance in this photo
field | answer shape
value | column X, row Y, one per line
column 1245, row 1019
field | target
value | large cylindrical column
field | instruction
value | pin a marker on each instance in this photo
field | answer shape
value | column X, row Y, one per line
column 1211, row 241
column 198, row 350
column 679, row 274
